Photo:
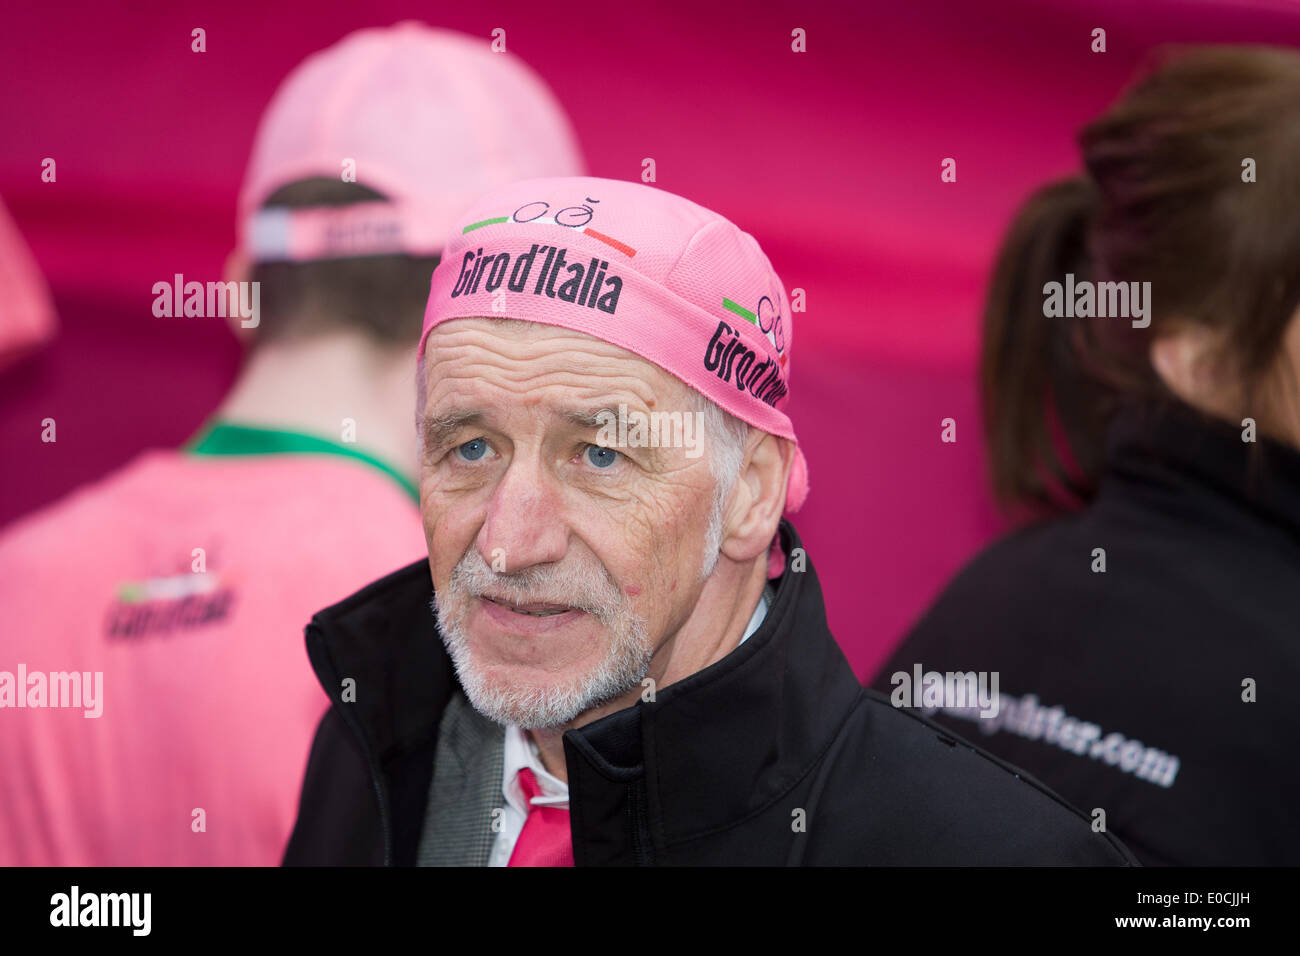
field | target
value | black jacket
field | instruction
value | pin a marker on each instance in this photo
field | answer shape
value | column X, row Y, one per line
column 1127, row 684
column 723, row 768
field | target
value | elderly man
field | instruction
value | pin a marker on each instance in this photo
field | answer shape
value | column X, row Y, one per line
column 631, row 663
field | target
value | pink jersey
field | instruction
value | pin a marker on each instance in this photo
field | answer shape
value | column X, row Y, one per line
column 156, row 701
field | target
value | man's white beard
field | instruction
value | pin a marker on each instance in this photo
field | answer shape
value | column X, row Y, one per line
column 627, row 656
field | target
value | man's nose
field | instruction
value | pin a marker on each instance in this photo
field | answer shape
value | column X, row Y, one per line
column 524, row 525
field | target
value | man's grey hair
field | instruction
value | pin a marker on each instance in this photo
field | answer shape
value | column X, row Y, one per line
column 726, row 435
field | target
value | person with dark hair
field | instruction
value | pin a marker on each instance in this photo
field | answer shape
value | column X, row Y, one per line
column 1141, row 346
column 167, row 707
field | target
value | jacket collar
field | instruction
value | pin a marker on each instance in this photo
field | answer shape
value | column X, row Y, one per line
column 707, row 752
column 1175, row 451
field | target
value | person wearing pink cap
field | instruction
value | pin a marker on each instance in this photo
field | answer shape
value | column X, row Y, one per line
column 172, row 590
column 27, row 317
column 617, row 650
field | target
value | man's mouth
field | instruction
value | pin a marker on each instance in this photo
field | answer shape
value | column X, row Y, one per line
column 533, row 610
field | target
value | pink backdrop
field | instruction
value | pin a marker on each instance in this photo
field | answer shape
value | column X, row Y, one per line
column 831, row 158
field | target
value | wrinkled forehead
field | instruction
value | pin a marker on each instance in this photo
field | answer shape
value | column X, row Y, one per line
column 461, row 352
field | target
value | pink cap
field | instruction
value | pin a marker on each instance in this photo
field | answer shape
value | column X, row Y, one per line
column 640, row 268
column 27, row 317
column 430, row 118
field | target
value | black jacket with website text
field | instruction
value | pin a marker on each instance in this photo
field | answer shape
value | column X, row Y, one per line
column 1129, row 689
column 773, row 755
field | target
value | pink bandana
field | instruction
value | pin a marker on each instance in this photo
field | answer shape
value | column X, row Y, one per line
column 639, row 268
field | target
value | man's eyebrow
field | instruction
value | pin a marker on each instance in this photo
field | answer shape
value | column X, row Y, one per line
column 603, row 416
column 592, row 418
column 440, row 429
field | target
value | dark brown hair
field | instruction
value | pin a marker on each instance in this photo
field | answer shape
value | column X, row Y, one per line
column 381, row 296
column 1162, row 201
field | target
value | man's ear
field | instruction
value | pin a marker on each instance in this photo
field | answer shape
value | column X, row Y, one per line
column 759, row 498
column 238, row 268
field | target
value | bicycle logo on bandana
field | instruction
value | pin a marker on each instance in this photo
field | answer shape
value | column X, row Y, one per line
column 574, row 217
column 769, row 323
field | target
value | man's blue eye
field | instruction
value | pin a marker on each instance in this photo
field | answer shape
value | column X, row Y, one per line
column 600, row 456
column 473, row 450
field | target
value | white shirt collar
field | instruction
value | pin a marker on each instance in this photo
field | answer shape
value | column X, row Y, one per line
column 760, row 612
column 521, row 752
